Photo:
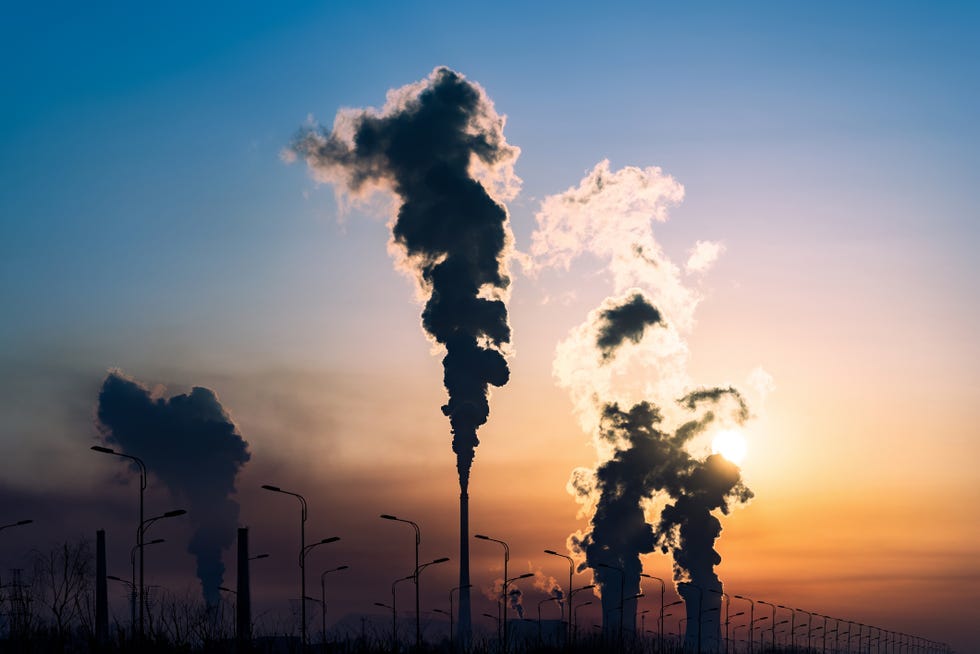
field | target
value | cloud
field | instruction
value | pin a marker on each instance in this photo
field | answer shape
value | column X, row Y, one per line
column 703, row 255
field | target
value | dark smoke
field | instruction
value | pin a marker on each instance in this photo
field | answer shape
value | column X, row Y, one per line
column 516, row 601
column 652, row 460
column 190, row 444
column 623, row 322
column 454, row 234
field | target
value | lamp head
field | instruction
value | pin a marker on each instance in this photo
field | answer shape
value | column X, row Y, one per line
column 550, row 552
column 481, row 537
column 104, row 450
column 24, row 522
column 174, row 513
column 270, row 487
column 341, row 567
column 442, row 560
column 386, row 516
column 332, row 539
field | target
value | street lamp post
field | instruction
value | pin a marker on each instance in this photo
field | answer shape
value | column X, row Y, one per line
column 418, row 572
column 140, row 536
column 577, row 608
column 571, row 571
column 762, row 630
column 622, row 586
column 323, row 600
column 302, row 563
column 394, row 614
column 132, row 599
column 772, row 635
column 302, row 549
column 792, row 623
column 451, row 591
column 660, row 621
column 507, row 582
column 571, row 595
column 19, row 523
column 139, row 532
column 751, row 617
column 504, row 590
column 418, row 541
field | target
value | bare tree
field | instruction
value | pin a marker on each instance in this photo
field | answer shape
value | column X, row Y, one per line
column 62, row 580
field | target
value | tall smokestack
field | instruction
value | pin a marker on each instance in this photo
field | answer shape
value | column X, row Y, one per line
column 243, row 617
column 190, row 443
column 438, row 146
column 101, row 590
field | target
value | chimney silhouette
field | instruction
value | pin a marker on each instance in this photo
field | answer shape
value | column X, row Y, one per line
column 101, row 592
column 243, row 619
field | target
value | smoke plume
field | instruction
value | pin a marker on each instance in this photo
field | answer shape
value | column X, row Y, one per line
column 626, row 370
column 516, row 598
column 190, row 444
column 438, row 146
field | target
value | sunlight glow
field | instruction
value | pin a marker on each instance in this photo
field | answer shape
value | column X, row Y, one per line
column 730, row 443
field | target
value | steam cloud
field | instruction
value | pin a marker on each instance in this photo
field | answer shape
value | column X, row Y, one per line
column 191, row 445
column 438, row 146
column 625, row 368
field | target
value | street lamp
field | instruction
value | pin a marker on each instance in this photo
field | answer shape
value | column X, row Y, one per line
column 507, row 582
column 571, row 571
column 394, row 615
column 728, row 606
column 418, row 572
column 323, row 599
column 139, row 530
column 394, row 642
column 792, row 623
column 577, row 608
column 418, row 541
column 571, row 595
column 751, row 617
column 762, row 630
column 504, row 589
column 772, row 635
column 622, row 588
column 302, row 550
column 451, row 591
column 132, row 562
column 660, row 621
column 140, row 535
column 19, row 523
column 132, row 600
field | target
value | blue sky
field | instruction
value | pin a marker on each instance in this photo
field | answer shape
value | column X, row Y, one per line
column 148, row 221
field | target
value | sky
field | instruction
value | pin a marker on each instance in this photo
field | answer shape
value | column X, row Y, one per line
column 150, row 224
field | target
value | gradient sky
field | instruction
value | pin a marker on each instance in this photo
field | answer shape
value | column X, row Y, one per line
column 149, row 224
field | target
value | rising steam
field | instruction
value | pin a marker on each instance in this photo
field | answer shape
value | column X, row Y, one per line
column 626, row 370
column 190, row 444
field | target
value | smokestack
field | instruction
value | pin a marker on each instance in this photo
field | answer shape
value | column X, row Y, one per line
column 438, row 146
column 190, row 444
column 625, row 368
column 463, row 619
column 243, row 618
column 101, row 590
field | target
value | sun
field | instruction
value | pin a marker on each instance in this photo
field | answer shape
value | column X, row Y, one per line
column 730, row 443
